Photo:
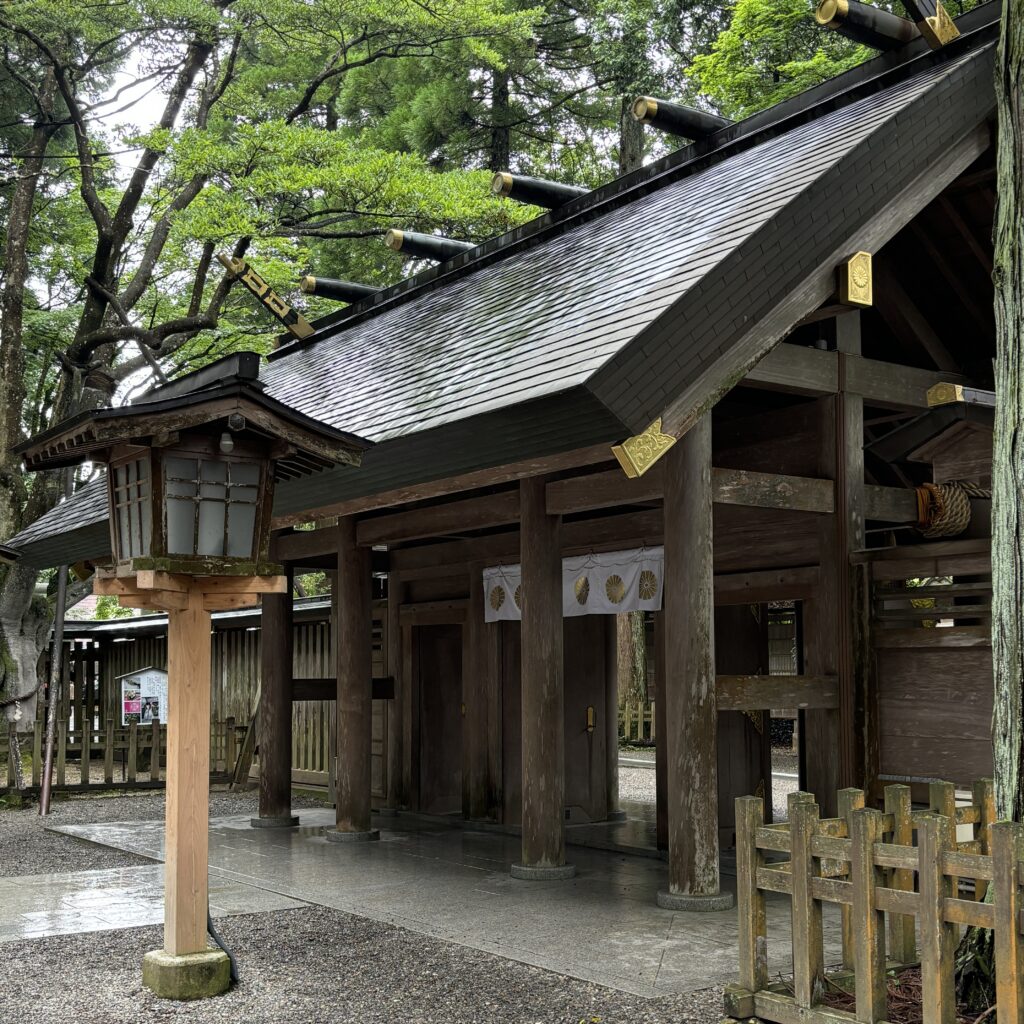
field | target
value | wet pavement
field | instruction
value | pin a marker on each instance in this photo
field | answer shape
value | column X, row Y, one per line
column 453, row 883
column 32, row 906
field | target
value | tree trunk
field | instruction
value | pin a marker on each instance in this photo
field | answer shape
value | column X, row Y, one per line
column 631, row 138
column 1008, row 454
column 975, row 977
column 631, row 646
column 500, row 148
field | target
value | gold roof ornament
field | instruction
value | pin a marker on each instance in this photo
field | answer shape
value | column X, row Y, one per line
column 933, row 22
column 855, row 280
column 637, row 454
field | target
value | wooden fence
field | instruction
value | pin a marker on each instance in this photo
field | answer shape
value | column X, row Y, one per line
column 112, row 756
column 866, row 861
column 636, row 723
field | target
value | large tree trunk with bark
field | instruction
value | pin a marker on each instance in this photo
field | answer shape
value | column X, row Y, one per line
column 1008, row 456
column 975, row 978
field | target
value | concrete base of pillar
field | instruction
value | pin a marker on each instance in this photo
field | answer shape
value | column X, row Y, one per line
column 690, row 901
column 192, row 976
column 530, row 873
column 283, row 821
column 332, row 835
column 616, row 816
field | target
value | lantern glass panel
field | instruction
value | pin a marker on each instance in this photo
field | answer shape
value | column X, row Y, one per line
column 131, row 500
column 211, row 505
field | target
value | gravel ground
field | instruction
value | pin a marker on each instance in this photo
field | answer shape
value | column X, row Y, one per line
column 27, row 848
column 319, row 966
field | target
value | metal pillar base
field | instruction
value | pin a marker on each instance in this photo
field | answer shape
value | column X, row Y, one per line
column 332, row 835
column 540, row 873
column 282, row 821
column 698, row 902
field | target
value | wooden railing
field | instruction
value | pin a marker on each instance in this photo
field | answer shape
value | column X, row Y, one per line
column 865, row 862
column 636, row 723
column 113, row 756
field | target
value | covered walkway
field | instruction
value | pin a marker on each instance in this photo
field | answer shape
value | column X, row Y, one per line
column 452, row 883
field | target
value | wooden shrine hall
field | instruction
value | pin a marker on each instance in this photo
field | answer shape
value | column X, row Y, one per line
column 761, row 361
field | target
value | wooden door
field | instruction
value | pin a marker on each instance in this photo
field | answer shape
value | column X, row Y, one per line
column 439, row 664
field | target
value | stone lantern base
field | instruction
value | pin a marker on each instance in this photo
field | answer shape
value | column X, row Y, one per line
column 191, row 976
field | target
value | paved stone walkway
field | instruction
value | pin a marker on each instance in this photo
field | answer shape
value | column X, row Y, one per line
column 32, row 906
column 453, row 883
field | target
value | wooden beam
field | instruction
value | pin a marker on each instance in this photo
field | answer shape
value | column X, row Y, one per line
column 274, row 708
column 728, row 486
column 381, row 688
column 489, row 477
column 946, row 393
column 770, row 585
column 354, row 711
column 743, row 693
column 952, row 215
column 909, row 323
column 759, row 337
column 953, row 277
column 454, row 517
column 543, row 698
column 691, row 720
column 890, row 504
column 188, row 778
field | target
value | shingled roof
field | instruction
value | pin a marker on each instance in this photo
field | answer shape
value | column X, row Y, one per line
column 583, row 326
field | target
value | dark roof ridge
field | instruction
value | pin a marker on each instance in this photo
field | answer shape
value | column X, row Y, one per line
column 868, row 78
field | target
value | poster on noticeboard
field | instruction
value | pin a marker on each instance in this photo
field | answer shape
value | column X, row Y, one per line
column 144, row 696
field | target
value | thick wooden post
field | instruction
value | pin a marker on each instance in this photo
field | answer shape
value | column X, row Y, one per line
column 902, row 938
column 542, row 689
column 354, row 654
column 611, row 721
column 868, row 920
column 691, row 715
column 188, row 777
column 661, row 741
column 275, row 712
column 474, row 700
column 936, row 836
column 836, row 628
column 808, row 947
column 1009, row 949
column 395, row 789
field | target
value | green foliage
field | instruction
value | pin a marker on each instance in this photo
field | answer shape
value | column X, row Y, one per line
column 108, row 607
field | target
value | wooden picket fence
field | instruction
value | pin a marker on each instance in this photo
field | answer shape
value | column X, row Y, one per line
column 113, row 756
column 636, row 723
column 866, row 861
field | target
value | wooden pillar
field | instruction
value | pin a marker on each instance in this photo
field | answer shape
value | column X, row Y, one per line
column 396, row 794
column 611, row 718
column 542, row 689
column 275, row 711
column 354, row 653
column 474, row 700
column 188, row 777
column 691, row 719
column 834, row 627
column 661, row 737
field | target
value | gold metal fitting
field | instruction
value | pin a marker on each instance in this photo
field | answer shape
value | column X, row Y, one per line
column 939, row 29
column 637, row 454
column 393, row 239
column 645, row 109
column 308, row 284
column 832, row 13
column 501, row 183
column 855, row 280
column 944, row 393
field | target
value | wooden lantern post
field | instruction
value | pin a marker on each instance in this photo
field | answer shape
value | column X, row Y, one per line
column 191, row 470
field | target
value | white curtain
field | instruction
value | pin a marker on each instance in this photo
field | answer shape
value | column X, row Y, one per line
column 607, row 583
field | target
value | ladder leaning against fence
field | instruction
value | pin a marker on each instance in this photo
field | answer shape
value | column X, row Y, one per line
column 865, row 862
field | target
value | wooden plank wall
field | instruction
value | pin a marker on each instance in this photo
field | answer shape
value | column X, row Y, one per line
column 933, row 662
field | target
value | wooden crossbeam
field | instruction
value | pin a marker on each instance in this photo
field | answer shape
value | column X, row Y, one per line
column 750, row 693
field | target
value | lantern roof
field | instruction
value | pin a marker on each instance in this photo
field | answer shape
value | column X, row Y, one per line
column 204, row 399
